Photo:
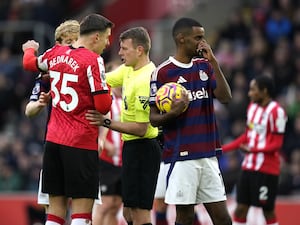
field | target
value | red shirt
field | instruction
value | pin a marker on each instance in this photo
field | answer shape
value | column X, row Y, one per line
column 76, row 75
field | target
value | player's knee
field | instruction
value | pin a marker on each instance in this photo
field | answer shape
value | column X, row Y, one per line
column 225, row 219
column 241, row 211
column 185, row 218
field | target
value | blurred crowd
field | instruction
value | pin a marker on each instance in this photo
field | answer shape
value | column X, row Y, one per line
column 260, row 37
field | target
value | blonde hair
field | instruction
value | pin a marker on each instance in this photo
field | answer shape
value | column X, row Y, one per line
column 65, row 29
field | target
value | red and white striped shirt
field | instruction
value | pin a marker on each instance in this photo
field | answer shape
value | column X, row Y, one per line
column 114, row 136
column 264, row 136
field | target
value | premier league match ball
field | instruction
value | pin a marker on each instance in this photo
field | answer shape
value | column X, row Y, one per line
column 165, row 95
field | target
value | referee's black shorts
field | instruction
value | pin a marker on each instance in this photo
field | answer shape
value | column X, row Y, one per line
column 257, row 189
column 141, row 161
column 71, row 172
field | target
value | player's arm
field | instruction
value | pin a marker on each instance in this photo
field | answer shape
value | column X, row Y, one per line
column 33, row 108
column 235, row 144
column 275, row 145
column 134, row 128
column 103, row 102
column 222, row 91
column 30, row 49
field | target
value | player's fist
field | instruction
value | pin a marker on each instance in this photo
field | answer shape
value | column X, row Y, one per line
column 30, row 44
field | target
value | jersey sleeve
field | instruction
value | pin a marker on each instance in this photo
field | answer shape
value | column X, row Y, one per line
column 99, row 87
column 42, row 60
column 115, row 77
column 96, row 77
column 278, row 120
column 153, row 87
column 30, row 60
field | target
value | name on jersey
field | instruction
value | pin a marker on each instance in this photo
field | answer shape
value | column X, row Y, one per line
column 199, row 94
column 64, row 59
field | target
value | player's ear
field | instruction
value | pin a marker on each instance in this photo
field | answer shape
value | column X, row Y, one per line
column 98, row 36
column 140, row 49
column 180, row 38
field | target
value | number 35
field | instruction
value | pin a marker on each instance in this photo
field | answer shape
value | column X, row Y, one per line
column 64, row 90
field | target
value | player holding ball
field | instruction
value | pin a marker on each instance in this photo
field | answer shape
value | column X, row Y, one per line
column 191, row 138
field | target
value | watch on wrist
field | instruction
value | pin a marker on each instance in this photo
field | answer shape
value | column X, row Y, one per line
column 106, row 123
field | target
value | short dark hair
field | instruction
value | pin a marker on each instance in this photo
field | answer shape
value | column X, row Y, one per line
column 184, row 24
column 267, row 82
column 139, row 36
column 94, row 22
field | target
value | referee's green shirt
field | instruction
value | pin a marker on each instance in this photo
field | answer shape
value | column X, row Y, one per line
column 135, row 95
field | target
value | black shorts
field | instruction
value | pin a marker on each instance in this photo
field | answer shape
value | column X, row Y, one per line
column 110, row 178
column 70, row 172
column 257, row 189
column 141, row 161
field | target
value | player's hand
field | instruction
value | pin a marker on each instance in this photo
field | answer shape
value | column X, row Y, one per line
column 206, row 50
column 245, row 148
column 31, row 44
column 95, row 117
column 179, row 105
column 44, row 98
column 100, row 146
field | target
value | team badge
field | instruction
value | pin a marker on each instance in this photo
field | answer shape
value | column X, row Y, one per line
column 203, row 76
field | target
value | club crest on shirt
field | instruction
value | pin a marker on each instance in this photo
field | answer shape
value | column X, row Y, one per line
column 203, row 76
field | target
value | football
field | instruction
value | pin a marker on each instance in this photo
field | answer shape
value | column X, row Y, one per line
column 164, row 95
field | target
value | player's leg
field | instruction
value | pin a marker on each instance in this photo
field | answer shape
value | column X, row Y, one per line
column 218, row 213
column 243, row 198
column 211, row 191
column 97, row 214
column 110, row 187
column 52, row 175
column 196, row 218
column 160, row 207
column 182, row 189
column 42, row 198
column 81, row 182
column 184, row 214
column 269, row 190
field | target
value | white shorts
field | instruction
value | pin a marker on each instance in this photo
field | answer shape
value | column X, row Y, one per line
column 161, row 185
column 195, row 181
column 43, row 198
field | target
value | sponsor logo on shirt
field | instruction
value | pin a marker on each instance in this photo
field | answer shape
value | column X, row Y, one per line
column 199, row 94
column 144, row 101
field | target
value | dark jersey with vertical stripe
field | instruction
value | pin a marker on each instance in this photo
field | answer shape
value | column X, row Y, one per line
column 42, row 84
column 194, row 133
